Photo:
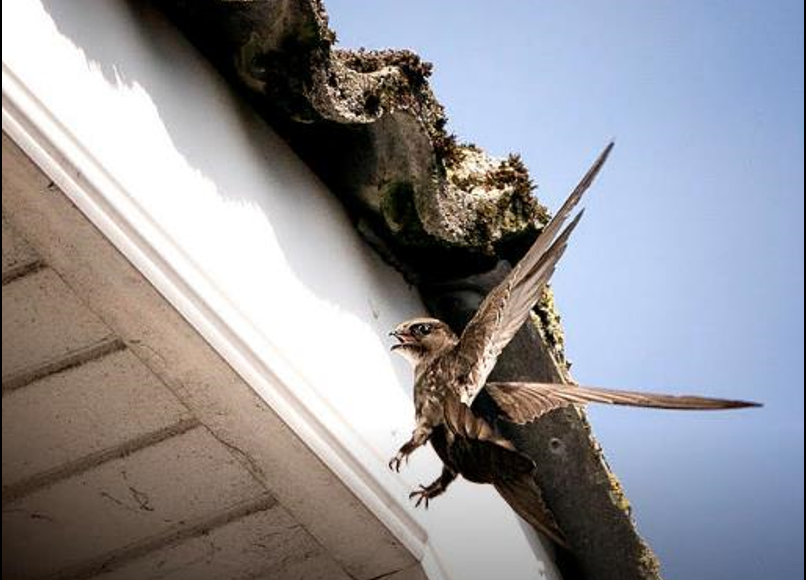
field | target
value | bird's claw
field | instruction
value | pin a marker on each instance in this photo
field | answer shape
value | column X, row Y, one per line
column 397, row 461
column 421, row 495
column 424, row 494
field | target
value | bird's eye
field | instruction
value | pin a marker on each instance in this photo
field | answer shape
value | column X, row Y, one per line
column 421, row 329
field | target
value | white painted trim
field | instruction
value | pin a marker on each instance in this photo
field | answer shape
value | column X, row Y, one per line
column 112, row 210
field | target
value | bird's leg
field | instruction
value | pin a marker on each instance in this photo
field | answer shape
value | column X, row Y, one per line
column 438, row 487
column 418, row 438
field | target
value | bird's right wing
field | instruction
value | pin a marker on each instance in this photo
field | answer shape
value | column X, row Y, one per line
column 507, row 306
column 524, row 402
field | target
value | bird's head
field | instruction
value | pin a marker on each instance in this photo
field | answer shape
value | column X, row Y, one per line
column 422, row 338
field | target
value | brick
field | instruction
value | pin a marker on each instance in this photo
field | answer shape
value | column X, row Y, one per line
column 265, row 544
column 43, row 321
column 152, row 491
column 16, row 251
column 85, row 410
column 413, row 573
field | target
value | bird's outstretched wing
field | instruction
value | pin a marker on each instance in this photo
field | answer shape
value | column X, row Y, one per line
column 524, row 402
column 507, row 306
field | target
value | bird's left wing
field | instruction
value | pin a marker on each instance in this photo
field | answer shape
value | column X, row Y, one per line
column 524, row 402
column 507, row 306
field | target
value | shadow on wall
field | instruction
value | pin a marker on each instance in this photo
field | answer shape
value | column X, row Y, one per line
column 309, row 224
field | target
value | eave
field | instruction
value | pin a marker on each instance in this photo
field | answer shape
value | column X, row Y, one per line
column 369, row 125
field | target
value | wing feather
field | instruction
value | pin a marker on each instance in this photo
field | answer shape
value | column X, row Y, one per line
column 507, row 307
column 525, row 497
column 524, row 402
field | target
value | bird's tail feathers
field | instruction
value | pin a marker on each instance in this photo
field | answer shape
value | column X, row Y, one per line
column 524, row 496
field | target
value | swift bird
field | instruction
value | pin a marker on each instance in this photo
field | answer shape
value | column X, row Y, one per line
column 451, row 370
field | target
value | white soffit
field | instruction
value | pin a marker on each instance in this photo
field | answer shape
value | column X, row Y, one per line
column 174, row 171
column 153, row 205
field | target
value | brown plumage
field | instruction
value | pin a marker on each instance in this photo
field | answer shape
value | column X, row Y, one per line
column 450, row 371
column 511, row 473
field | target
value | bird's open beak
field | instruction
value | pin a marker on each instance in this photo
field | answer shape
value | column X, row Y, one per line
column 403, row 338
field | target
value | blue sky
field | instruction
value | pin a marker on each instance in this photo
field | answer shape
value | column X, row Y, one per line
column 687, row 272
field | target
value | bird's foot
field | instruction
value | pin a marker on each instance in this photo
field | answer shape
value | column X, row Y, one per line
column 398, row 460
column 425, row 494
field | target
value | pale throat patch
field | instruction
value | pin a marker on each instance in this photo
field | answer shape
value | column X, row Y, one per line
column 412, row 355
